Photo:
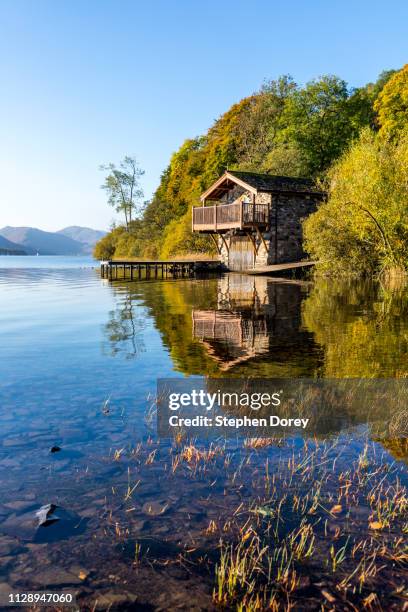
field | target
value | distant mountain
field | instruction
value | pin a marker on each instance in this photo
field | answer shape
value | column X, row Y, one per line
column 85, row 235
column 45, row 243
column 73, row 240
column 11, row 248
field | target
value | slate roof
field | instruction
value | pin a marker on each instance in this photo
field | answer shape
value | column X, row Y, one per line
column 257, row 182
column 270, row 182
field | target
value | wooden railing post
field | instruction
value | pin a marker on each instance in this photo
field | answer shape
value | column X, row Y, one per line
column 235, row 215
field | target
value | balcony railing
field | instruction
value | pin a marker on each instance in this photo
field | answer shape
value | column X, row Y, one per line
column 229, row 216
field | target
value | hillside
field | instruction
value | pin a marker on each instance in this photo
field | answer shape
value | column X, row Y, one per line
column 85, row 235
column 283, row 129
column 11, row 248
column 45, row 243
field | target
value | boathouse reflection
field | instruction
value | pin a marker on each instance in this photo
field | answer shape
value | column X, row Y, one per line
column 255, row 317
column 240, row 324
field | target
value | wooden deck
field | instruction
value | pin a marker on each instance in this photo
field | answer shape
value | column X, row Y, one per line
column 115, row 269
column 281, row 268
column 223, row 217
column 134, row 270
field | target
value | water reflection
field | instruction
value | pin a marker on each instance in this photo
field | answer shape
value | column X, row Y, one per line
column 239, row 338
column 124, row 329
column 264, row 327
column 362, row 325
column 256, row 318
column 243, row 325
column 71, row 342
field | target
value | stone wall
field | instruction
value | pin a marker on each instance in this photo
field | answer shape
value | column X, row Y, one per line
column 283, row 240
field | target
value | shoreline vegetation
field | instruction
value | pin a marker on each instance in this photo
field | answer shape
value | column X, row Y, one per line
column 352, row 141
column 318, row 526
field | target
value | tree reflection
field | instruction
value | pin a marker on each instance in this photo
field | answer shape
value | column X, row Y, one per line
column 262, row 327
column 124, row 330
column 362, row 327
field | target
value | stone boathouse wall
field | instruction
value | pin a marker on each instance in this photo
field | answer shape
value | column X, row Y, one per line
column 283, row 238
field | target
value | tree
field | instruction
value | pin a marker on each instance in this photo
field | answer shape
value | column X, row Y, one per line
column 105, row 248
column 258, row 127
column 363, row 226
column 321, row 119
column 123, row 187
column 362, row 100
column 374, row 89
column 392, row 105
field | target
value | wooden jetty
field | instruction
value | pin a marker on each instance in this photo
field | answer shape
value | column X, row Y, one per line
column 134, row 270
column 281, row 268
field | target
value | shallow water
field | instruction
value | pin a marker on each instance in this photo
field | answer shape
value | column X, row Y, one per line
column 79, row 359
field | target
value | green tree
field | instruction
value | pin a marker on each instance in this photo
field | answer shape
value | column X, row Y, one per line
column 392, row 105
column 361, row 102
column 105, row 248
column 258, row 127
column 363, row 227
column 123, row 187
column 321, row 119
column 374, row 89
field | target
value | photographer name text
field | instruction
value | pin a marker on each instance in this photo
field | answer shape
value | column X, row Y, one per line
column 236, row 422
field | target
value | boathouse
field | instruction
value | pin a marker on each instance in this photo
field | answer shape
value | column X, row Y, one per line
column 256, row 219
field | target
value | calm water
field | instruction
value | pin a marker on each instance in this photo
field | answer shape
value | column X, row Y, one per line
column 79, row 358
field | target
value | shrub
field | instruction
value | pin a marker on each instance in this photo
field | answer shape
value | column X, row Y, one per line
column 363, row 225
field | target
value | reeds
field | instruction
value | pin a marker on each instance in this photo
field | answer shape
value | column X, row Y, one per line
column 316, row 518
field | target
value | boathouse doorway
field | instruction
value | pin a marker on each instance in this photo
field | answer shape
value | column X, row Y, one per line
column 241, row 254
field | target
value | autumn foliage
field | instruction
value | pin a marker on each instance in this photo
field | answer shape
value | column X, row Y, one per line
column 324, row 130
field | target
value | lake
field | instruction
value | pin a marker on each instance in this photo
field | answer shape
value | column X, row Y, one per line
column 141, row 518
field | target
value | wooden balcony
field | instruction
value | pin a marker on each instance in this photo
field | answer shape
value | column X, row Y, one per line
column 223, row 217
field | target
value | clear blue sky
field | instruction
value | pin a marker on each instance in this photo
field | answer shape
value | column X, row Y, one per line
column 87, row 82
